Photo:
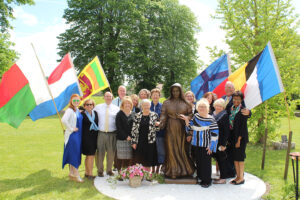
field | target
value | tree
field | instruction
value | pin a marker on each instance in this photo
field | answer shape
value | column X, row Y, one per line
column 249, row 25
column 6, row 12
column 141, row 41
column 7, row 55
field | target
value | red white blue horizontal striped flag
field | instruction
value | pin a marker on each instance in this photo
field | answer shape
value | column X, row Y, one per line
column 63, row 83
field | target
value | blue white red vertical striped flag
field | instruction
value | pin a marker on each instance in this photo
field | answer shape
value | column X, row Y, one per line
column 63, row 83
column 265, row 81
column 211, row 77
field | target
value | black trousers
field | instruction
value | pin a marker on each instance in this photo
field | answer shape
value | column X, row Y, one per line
column 229, row 163
column 203, row 162
column 221, row 158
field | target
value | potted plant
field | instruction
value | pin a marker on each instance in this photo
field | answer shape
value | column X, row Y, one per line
column 135, row 174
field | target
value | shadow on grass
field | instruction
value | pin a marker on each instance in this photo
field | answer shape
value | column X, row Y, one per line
column 42, row 182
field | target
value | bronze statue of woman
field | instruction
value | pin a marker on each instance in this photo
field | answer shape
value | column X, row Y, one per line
column 177, row 161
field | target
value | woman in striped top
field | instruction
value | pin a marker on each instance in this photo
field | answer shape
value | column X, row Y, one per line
column 202, row 132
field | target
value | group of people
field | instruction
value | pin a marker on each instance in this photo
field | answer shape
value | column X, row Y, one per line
column 174, row 138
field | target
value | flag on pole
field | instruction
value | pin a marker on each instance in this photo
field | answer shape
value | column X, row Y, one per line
column 62, row 83
column 22, row 88
column 265, row 81
column 259, row 79
column 239, row 77
column 92, row 79
column 211, row 77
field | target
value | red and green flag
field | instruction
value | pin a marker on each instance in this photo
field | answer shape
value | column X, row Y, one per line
column 22, row 88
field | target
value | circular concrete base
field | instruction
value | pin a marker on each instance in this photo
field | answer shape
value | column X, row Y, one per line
column 253, row 189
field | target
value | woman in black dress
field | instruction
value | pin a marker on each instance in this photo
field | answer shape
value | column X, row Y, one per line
column 145, row 125
column 124, row 120
column 89, row 136
column 238, row 136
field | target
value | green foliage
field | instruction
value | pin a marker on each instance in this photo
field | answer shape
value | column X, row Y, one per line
column 142, row 42
column 215, row 53
column 6, row 12
column 289, row 192
column 7, row 55
column 249, row 26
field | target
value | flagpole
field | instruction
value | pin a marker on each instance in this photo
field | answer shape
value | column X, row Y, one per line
column 48, row 87
column 229, row 63
column 265, row 139
column 290, row 139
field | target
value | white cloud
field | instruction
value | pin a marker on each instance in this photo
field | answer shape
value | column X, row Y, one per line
column 45, row 43
column 25, row 17
column 211, row 34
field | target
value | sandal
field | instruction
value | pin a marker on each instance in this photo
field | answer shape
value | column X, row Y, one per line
column 240, row 183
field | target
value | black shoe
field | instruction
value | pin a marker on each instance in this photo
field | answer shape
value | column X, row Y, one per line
column 110, row 173
column 100, row 174
column 205, row 185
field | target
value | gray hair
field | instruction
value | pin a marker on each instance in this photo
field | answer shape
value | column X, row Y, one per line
column 145, row 101
column 220, row 102
column 203, row 101
column 229, row 83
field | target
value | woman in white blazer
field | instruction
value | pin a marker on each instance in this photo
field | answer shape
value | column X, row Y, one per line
column 72, row 120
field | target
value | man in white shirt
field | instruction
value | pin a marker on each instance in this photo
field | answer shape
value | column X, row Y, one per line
column 122, row 93
column 106, row 142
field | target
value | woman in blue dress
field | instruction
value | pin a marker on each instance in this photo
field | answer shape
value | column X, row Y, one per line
column 72, row 120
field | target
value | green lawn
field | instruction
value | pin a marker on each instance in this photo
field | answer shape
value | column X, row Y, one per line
column 31, row 157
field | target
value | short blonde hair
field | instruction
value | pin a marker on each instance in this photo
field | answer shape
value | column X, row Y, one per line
column 155, row 90
column 91, row 100
column 190, row 92
column 203, row 101
column 220, row 102
column 126, row 99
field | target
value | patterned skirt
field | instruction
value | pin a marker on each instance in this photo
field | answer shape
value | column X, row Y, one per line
column 124, row 149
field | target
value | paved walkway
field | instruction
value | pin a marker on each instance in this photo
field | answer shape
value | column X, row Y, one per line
column 253, row 189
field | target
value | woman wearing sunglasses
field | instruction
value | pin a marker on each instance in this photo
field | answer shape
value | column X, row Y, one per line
column 72, row 120
column 89, row 136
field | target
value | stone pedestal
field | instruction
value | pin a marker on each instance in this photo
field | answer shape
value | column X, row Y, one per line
column 192, row 181
column 281, row 145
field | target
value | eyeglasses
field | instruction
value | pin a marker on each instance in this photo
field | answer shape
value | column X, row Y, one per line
column 76, row 100
column 89, row 104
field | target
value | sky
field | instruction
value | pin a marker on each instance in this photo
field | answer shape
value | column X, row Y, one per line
column 41, row 23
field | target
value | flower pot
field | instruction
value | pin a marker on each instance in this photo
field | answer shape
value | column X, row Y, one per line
column 135, row 181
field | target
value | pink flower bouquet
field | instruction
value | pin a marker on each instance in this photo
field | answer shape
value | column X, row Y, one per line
column 135, row 170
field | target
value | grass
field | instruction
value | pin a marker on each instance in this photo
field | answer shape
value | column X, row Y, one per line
column 31, row 158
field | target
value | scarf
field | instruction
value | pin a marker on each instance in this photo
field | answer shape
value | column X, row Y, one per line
column 234, row 110
column 219, row 115
column 93, row 126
